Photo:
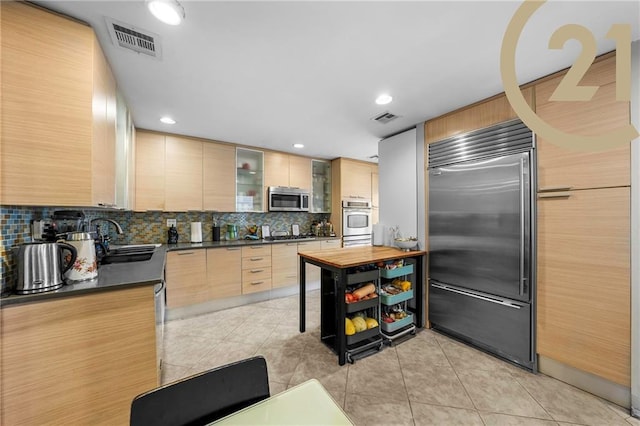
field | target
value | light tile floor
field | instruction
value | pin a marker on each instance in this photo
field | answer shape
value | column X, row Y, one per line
column 427, row 380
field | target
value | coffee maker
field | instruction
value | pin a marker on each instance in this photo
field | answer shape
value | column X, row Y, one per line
column 62, row 222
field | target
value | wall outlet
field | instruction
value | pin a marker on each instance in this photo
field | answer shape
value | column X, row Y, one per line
column 170, row 222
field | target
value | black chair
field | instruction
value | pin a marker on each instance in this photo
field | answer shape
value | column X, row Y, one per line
column 204, row 397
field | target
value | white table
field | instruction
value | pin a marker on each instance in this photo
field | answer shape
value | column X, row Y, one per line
column 305, row 404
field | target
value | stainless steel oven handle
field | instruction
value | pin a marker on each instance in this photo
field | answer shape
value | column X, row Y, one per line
column 475, row 296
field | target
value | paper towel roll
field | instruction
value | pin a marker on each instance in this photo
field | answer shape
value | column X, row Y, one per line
column 378, row 234
column 196, row 232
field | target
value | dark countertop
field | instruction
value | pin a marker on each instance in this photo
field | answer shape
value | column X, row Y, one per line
column 122, row 275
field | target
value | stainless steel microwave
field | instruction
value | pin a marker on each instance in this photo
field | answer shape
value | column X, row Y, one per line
column 285, row 199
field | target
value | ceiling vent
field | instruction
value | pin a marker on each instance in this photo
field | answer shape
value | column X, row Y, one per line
column 385, row 117
column 129, row 37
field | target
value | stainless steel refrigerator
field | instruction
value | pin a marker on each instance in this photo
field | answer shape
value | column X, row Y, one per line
column 481, row 239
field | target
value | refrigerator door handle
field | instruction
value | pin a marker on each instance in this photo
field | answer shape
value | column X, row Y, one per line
column 475, row 296
column 522, row 225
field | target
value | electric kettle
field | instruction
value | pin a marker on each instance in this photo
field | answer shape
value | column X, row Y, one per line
column 41, row 266
column 85, row 266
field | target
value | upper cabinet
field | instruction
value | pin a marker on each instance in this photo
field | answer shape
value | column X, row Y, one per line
column 104, row 131
column 562, row 168
column 355, row 178
column 321, row 186
column 351, row 179
column 477, row 116
column 183, row 174
column 150, row 171
column 58, row 111
column 300, row 172
column 219, row 174
column 249, row 180
column 276, row 169
column 282, row 169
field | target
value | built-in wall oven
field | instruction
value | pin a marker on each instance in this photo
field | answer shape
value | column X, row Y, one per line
column 356, row 223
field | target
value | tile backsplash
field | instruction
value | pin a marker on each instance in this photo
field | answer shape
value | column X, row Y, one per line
column 138, row 227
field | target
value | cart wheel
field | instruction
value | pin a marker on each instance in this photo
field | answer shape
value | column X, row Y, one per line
column 413, row 332
column 380, row 346
column 349, row 359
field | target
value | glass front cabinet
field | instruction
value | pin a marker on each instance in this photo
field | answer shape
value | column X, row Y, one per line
column 249, row 180
column 321, row 186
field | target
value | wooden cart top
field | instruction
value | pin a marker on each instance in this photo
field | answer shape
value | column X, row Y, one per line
column 347, row 257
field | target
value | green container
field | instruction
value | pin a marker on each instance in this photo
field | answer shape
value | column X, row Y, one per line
column 396, row 325
column 397, row 272
column 396, row 298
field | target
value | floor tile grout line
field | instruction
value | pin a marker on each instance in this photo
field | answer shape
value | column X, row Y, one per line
column 534, row 398
column 458, row 377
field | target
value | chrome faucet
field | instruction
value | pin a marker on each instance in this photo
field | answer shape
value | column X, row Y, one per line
column 116, row 224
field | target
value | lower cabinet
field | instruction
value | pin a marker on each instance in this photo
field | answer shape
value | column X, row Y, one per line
column 79, row 359
column 312, row 272
column 284, row 265
column 256, row 268
column 583, row 312
column 186, row 277
column 224, row 272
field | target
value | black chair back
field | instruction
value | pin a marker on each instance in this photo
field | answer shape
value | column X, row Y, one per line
column 205, row 397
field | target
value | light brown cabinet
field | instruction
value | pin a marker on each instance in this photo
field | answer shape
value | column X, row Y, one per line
column 219, row 177
column 284, row 265
column 79, row 359
column 312, row 272
column 300, row 172
column 224, row 272
column 563, row 168
column 350, row 179
column 282, row 169
column 58, row 111
column 583, row 269
column 583, row 316
column 183, row 174
column 150, row 171
column 186, row 278
column 330, row 244
column 477, row 116
column 256, row 268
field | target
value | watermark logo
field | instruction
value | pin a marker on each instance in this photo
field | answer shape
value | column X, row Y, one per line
column 568, row 89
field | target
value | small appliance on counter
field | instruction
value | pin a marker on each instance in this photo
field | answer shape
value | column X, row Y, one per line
column 172, row 237
column 61, row 222
column 232, row 232
column 85, row 266
column 196, row 232
column 41, row 267
column 215, row 231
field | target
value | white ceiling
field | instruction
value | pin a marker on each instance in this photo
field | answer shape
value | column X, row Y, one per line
column 271, row 74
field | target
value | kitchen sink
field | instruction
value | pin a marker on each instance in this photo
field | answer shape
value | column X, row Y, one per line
column 129, row 253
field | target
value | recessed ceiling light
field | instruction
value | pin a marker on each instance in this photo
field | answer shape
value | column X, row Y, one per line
column 168, row 120
column 383, row 99
column 168, row 11
column 298, row 145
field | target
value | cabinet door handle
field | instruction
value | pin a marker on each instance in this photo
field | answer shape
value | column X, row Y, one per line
column 554, row 195
column 233, row 249
column 255, row 271
column 253, row 259
column 292, row 244
column 183, row 253
column 255, row 248
column 256, row 282
column 292, row 276
column 555, row 188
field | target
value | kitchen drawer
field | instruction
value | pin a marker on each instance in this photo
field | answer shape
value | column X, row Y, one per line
column 285, row 278
column 256, row 274
column 250, row 251
column 255, row 285
column 330, row 244
column 257, row 261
